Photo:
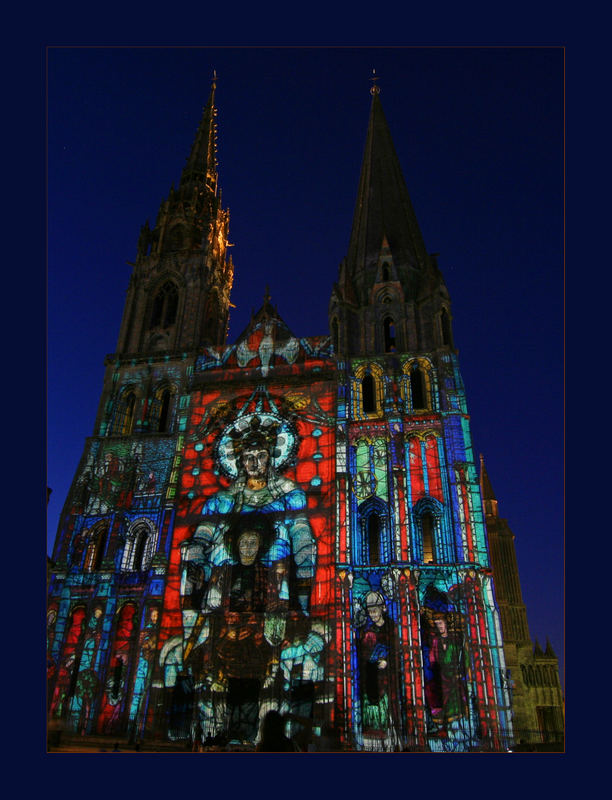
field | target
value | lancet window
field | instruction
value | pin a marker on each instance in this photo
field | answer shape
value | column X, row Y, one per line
column 389, row 334
column 96, row 546
column 139, row 547
column 123, row 419
column 161, row 410
column 165, row 306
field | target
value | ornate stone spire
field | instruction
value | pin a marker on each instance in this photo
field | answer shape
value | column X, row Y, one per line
column 201, row 166
column 383, row 209
column 179, row 294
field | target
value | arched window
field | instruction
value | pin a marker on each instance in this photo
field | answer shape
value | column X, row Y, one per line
column 428, row 514
column 335, row 335
column 428, row 526
column 164, row 410
column 373, row 543
column 389, row 329
column 95, row 548
column 385, row 272
column 160, row 410
column 123, row 421
column 51, row 620
column 117, row 675
column 373, row 527
column 176, row 238
column 367, row 390
column 445, row 327
column 165, row 306
column 139, row 547
column 417, row 388
column 368, row 394
column 69, row 662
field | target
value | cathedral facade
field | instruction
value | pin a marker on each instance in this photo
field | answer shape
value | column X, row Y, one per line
column 281, row 523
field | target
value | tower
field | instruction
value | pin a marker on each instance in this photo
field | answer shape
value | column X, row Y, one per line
column 537, row 699
column 116, row 524
column 178, row 297
column 390, row 295
column 412, row 529
column 280, row 523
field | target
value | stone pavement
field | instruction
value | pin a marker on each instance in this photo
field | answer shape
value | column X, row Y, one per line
column 105, row 744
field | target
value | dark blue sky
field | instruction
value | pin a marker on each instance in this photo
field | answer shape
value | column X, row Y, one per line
column 479, row 133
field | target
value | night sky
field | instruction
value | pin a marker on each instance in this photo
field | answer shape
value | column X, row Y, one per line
column 479, row 134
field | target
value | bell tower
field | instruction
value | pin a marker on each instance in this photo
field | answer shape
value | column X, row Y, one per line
column 390, row 295
column 178, row 297
column 179, row 293
column 412, row 539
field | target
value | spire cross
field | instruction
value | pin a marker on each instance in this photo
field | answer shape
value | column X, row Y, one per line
column 374, row 89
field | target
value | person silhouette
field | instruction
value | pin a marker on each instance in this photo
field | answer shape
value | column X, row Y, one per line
column 273, row 739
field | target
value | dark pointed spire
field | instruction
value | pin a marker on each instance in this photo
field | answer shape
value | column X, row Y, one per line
column 201, row 166
column 383, row 208
column 549, row 652
column 488, row 495
column 485, row 483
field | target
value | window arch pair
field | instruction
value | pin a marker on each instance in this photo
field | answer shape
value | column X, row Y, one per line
column 139, row 546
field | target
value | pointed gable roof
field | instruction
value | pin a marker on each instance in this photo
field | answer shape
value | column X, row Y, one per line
column 267, row 313
column 266, row 340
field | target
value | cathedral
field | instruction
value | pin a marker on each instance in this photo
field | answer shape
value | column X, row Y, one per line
column 288, row 524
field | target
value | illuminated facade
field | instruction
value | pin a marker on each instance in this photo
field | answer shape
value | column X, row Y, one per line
column 280, row 523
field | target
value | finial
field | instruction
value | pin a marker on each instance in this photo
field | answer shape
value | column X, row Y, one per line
column 374, row 89
column 267, row 295
column 214, row 79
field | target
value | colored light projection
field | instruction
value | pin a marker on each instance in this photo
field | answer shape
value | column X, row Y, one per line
column 122, row 475
column 377, row 662
column 266, row 346
column 452, row 718
column 249, row 589
column 423, row 641
column 102, row 622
